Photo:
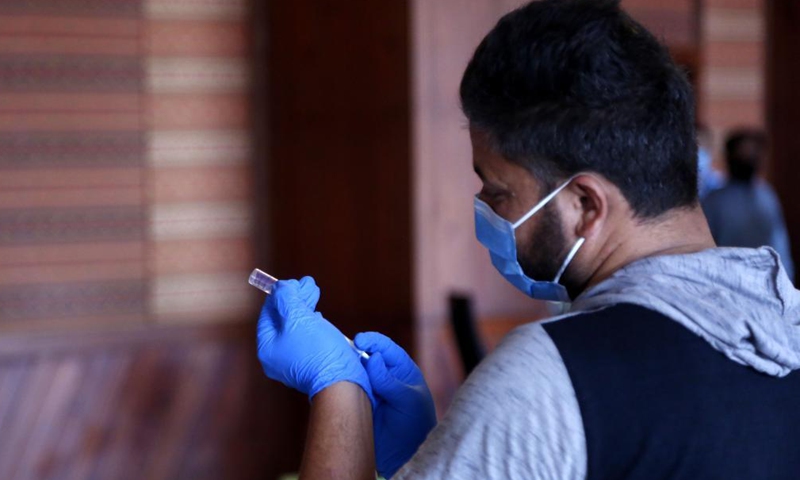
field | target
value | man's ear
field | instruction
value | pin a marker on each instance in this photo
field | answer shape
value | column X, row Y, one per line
column 588, row 204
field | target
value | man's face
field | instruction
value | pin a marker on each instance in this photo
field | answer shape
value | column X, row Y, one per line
column 512, row 191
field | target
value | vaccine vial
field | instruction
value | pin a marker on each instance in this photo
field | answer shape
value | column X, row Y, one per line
column 262, row 281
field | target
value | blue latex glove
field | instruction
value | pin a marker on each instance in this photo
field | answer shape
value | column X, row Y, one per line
column 299, row 348
column 404, row 413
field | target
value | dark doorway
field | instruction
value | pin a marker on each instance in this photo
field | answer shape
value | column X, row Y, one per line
column 783, row 108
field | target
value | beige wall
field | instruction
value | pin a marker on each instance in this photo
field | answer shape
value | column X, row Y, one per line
column 447, row 257
column 673, row 21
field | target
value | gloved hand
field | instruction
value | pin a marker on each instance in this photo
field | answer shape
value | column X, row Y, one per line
column 404, row 413
column 299, row 348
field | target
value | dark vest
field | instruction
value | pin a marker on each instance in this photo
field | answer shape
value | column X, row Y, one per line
column 658, row 402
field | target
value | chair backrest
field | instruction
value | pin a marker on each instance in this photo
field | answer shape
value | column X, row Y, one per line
column 470, row 346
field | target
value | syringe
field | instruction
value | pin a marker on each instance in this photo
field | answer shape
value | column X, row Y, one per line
column 265, row 282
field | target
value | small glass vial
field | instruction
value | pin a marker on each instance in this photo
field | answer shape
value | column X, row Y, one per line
column 262, row 281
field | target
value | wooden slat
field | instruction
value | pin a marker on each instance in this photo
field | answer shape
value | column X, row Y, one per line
column 735, row 55
column 12, row 376
column 201, row 184
column 201, row 256
column 733, row 25
column 83, row 253
column 201, row 111
column 190, row 148
column 228, row 390
column 54, row 273
column 729, row 114
column 196, row 38
column 68, row 45
column 17, row 437
column 197, row 378
column 68, row 122
column 82, row 178
column 68, row 26
column 91, row 338
column 94, row 432
column 197, row 9
column 78, row 444
column 181, row 75
column 69, row 102
column 745, row 4
column 51, row 419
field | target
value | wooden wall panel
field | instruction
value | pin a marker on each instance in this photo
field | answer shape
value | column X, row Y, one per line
column 127, row 206
column 674, row 22
column 197, row 57
column 732, row 84
column 784, row 110
column 339, row 170
column 71, row 165
column 110, row 117
column 447, row 255
column 143, row 405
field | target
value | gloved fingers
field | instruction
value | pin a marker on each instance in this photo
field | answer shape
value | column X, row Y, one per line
column 266, row 328
column 288, row 304
column 309, row 292
column 399, row 364
column 266, row 308
column 373, row 342
column 268, row 316
column 384, row 384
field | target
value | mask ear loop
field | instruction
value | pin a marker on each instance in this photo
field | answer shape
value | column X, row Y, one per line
column 569, row 258
column 542, row 203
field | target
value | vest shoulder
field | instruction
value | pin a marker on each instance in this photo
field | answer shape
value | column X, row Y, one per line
column 658, row 401
column 627, row 320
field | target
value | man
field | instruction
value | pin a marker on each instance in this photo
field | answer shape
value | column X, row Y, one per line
column 746, row 212
column 677, row 359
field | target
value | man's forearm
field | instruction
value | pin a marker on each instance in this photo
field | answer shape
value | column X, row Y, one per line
column 339, row 443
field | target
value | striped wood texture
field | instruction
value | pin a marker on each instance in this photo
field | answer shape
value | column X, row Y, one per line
column 125, row 162
column 72, row 164
column 176, row 403
column 126, row 234
column 732, row 87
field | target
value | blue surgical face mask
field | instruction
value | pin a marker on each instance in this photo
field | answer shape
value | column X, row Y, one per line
column 497, row 235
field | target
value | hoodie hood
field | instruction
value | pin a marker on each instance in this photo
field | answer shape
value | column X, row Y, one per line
column 739, row 300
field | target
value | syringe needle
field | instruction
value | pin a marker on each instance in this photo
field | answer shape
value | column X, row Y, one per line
column 363, row 354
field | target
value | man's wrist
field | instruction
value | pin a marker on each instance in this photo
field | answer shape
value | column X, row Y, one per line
column 361, row 380
column 340, row 443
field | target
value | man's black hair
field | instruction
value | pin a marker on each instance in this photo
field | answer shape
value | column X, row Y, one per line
column 567, row 86
column 744, row 163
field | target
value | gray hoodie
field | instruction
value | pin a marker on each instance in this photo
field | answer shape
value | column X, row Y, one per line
column 740, row 301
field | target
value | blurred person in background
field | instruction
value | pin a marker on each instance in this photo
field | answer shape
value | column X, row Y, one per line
column 746, row 212
column 709, row 179
column 677, row 360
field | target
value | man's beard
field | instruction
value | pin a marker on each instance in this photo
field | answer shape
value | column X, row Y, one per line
column 547, row 249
